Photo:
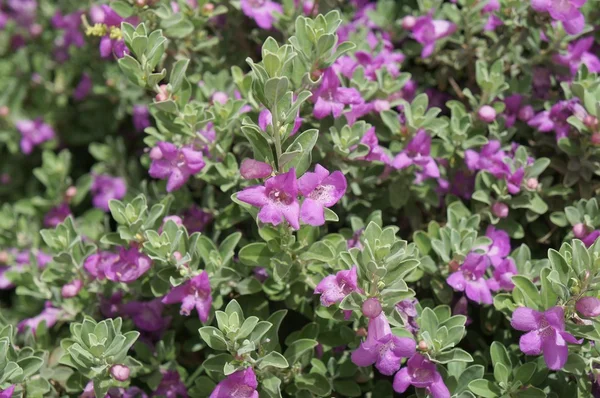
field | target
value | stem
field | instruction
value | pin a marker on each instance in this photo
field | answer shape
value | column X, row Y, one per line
column 276, row 136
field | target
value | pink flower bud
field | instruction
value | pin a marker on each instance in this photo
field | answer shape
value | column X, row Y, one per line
column 590, row 121
column 251, row 169
column 408, row 22
column 580, row 231
column 371, row 308
column 163, row 93
column 4, row 111
column 70, row 193
column 500, row 210
column 588, row 306
column 208, row 8
column 595, row 139
column 526, row 113
column 156, row 153
column 381, row 105
column 486, row 114
column 36, row 30
column 423, row 346
column 119, row 372
column 71, row 289
column 177, row 256
column 220, row 97
column 532, row 183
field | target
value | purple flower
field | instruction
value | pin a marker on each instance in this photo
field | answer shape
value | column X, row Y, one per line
column 141, row 117
column 104, row 188
column 503, row 273
column 555, row 119
column 515, row 109
column 176, row 165
column 333, row 288
column 262, row 11
column 546, row 333
column 331, row 97
column 72, row 288
column 421, row 373
column 56, row 215
column 461, row 307
column 469, row 279
column 33, row 133
column 171, row 385
column 241, row 384
column 120, row 372
column 320, row 190
column 383, row 348
column 146, row 315
column 103, row 14
column 578, row 53
column 376, row 152
column 97, row 264
column 566, row 11
column 427, row 31
column 489, row 158
column 83, row 88
column 260, row 273
column 277, row 199
column 408, row 312
column 193, row 293
column 385, row 59
column 590, row 238
column 588, row 306
column 8, row 392
column 500, row 246
column 129, row 267
column 251, row 169
column 196, row 219
column 73, row 36
column 417, row 153
column 50, row 315
column 371, row 308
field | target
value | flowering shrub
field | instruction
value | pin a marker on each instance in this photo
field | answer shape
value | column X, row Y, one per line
column 309, row 198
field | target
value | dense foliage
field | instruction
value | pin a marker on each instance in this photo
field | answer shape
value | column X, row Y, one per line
column 318, row 198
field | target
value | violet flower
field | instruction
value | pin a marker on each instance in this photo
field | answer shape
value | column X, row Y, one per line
column 8, row 392
column 469, row 278
column 331, row 97
column 555, row 119
column 72, row 288
column 408, row 312
column 489, row 158
column 421, row 373
column 578, row 53
column 500, row 246
column 503, row 273
column 171, row 385
column 417, row 153
column 56, row 215
column 49, row 314
column 427, row 31
column 389, row 60
column 241, row 384
column 176, row 165
column 333, row 288
column 129, row 267
column 493, row 20
column 588, row 306
column 73, row 35
column 146, row 315
column 83, row 88
column 277, row 199
column 383, row 348
column 566, row 11
column 105, row 188
column 262, row 11
column 97, row 263
column 195, row 219
column 320, row 190
column 251, row 169
column 141, row 117
column 546, row 334
column 265, row 118
column 109, row 46
column 33, row 133
column 195, row 293
column 376, row 152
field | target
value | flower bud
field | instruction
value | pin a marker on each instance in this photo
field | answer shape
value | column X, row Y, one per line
column 155, row 153
column 408, row 22
column 70, row 193
column 423, row 345
column 208, row 8
column 3, row 257
column 177, row 256
column 119, row 372
column 526, row 113
column 251, row 169
column 220, row 97
column 371, row 308
column 580, row 231
column 453, row 266
column 588, row 306
column 71, row 289
column 361, row 332
column 486, row 114
column 595, row 139
column 500, row 210
column 163, row 93
column 4, row 111
column 532, row 183
column 381, row 105
column 590, row 121
column 35, row 30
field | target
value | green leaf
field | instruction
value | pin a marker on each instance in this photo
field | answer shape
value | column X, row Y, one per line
column 347, row 388
column 485, row 388
column 299, row 348
column 313, row 382
column 178, row 74
column 273, row 359
column 260, row 146
column 213, row 337
column 454, row 355
column 122, row 8
column 275, row 89
column 302, row 146
column 255, row 254
column 500, row 355
column 530, row 292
